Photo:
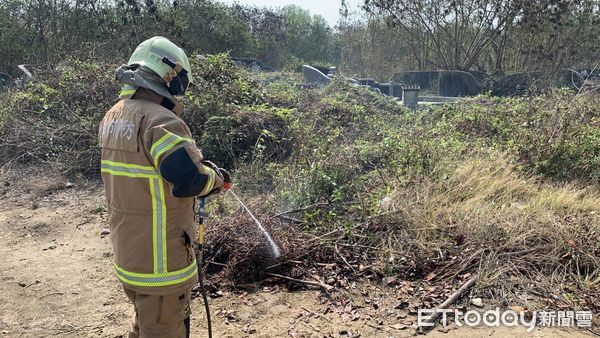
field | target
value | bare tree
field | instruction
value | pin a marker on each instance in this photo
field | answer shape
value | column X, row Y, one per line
column 452, row 33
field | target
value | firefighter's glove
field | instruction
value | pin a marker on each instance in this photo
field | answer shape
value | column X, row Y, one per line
column 219, row 182
column 227, row 182
column 214, row 167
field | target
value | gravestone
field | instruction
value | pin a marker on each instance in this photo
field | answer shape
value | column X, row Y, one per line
column 332, row 71
column 25, row 70
column 384, row 88
column 396, row 89
column 424, row 79
column 455, row 83
column 515, row 84
column 314, row 76
column 410, row 96
column 322, row 69
column 5, row 81
column 366, row 81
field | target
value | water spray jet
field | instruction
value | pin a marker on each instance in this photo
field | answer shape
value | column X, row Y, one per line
column 273, row 247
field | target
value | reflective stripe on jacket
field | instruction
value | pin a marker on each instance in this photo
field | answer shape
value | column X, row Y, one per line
column 144, row 146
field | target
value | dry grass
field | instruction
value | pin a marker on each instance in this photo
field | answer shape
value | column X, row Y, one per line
column 514, row 231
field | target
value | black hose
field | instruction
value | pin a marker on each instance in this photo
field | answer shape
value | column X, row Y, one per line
column 199, row 259
column 203, row 291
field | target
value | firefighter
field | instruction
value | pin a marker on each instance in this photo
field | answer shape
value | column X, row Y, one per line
column 152, row 171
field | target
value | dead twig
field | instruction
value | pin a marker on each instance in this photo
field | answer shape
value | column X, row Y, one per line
column 593, row 332
column 326, row 265
column 86, row 221
column 377, row 327
column 293, row 259
column 343, row 258
column 315, row 239
column 51, row 294
column 371, row 248
column 309, row 207
column 34, row 283
column 338, row 231
column 312, row 206
column 306, row 282
column 452, row 299
column 316, row 314
column 292, row 219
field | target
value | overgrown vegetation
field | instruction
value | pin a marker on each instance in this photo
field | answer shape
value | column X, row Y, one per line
column 505, row 188
column 55, row 121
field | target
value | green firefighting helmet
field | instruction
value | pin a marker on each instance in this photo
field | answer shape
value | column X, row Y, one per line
column 165, row 59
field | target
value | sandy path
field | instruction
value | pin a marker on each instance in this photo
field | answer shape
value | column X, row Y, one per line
column 56, row 280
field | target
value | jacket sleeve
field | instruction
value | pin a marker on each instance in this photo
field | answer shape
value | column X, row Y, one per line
column 174, row 154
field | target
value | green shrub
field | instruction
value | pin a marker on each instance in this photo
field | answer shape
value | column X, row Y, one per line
column 247, row 134
column 555, row 135
column 54, row 120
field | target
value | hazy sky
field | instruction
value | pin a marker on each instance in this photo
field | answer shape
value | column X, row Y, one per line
column 329, row 9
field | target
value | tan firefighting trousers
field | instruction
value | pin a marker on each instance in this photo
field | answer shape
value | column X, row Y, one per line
column 159, row 316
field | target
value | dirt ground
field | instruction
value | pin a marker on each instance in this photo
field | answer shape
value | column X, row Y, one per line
column 57, row 280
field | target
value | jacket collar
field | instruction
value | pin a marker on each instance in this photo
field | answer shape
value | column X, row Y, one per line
column 146, row 94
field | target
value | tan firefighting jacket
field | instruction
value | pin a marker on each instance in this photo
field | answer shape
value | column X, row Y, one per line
column 151, row 229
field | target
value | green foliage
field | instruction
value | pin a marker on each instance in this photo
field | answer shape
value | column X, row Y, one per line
column 218, row 85
column 226, row 111
column 333, row 144
column 247, row 134
column 555, row 135
column 308, row 38
column 354, row 144
column 55, row 121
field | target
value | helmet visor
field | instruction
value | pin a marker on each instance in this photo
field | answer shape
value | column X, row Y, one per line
column 180, row 83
